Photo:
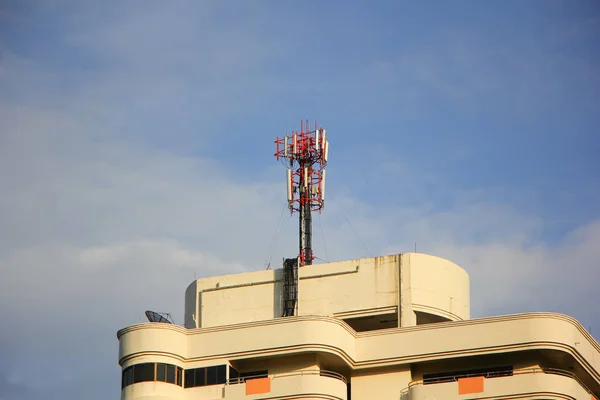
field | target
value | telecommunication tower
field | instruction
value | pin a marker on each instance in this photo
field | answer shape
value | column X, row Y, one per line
column 306, row 152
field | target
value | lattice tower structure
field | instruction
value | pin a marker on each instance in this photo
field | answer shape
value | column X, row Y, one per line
column 305, row 153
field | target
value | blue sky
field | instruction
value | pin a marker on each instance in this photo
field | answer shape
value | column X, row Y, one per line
column 136, row 152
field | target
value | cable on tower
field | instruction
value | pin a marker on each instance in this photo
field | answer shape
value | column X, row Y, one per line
column 354, row 229
column 275, row 237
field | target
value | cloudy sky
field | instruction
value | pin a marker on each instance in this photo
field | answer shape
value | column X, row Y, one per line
column 136, row 152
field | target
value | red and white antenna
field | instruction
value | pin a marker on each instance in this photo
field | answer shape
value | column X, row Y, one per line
column 307, row 152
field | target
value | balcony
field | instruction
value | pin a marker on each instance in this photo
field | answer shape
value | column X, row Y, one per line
column 301, row 384
column 549, row 383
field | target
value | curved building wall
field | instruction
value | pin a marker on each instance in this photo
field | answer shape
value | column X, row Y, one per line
column 438, row 287
column 294, row 351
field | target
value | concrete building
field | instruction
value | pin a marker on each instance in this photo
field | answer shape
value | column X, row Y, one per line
column 395, row 327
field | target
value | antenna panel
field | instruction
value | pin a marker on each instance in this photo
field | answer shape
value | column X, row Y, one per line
column 324, row 140
column 295, row 143
column 306, row 177
column 323, row 186
column 289, row 185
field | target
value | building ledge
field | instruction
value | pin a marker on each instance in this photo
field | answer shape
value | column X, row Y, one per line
column 394, row 346
column 546, row 382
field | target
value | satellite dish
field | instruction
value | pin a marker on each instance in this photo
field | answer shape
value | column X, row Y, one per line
column 153, row 316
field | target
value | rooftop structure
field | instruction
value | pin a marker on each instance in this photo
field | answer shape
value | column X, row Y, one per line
column 392, row 327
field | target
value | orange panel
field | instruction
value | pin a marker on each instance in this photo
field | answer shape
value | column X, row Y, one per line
column 470, row 385
column 257, row 386
column 592, row 397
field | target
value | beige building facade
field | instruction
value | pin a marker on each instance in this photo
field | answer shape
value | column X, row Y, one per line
column 393, row 327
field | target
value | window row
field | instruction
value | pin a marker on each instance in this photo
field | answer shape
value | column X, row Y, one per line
column 148, row 372
column 204, row 376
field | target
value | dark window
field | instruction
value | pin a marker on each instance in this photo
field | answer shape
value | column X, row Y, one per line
column 161, row 372
column 170, row 374
column 127, row 377
column 221, row 374
column 441, row 377
column 195, row 377
column 216, row 375
column 189, row 378
column 211, row 375
column 200, row 377
column 143, row 372
column 146, row 372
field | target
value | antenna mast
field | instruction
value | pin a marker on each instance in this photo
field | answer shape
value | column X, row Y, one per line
column 306, row 152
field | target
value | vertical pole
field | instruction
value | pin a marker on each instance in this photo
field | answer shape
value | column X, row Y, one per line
column 305, row 215
column 307, row 235
column 307, row 222
column 301, row 213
